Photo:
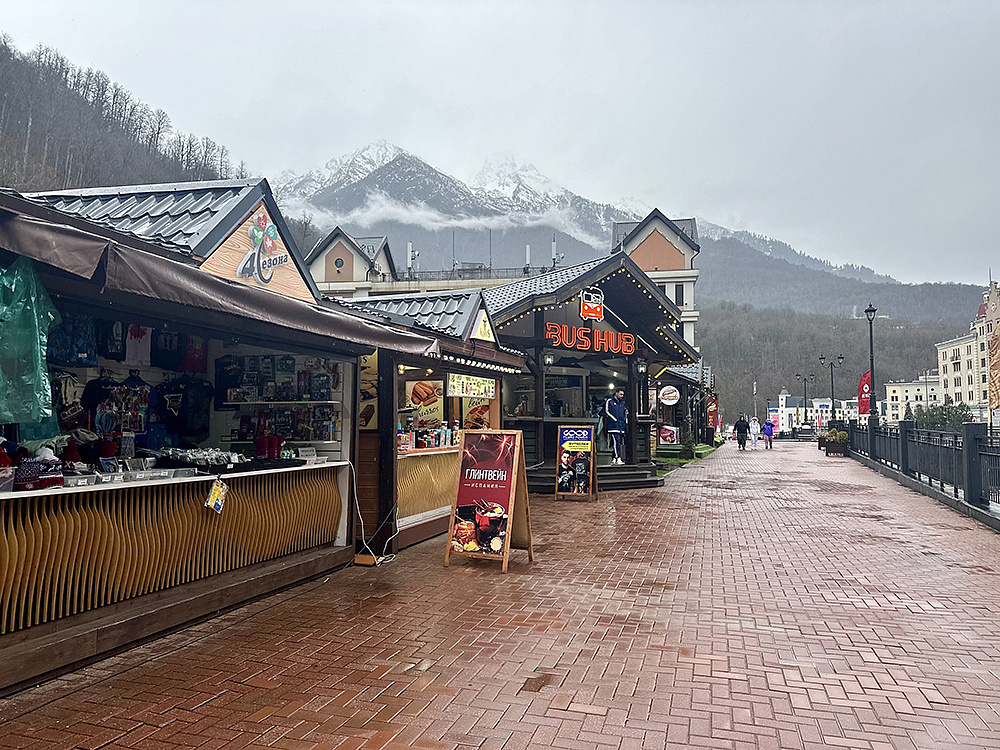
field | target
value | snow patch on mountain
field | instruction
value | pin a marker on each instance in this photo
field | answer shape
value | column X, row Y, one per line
column 338, row 172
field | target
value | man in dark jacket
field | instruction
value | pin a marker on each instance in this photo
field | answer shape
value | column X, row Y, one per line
column 616, row 420
column 742, row 430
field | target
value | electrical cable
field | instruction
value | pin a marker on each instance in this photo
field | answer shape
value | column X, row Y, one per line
column 364, row 541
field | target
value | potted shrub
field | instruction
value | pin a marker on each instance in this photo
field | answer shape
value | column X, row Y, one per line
column 836, row 443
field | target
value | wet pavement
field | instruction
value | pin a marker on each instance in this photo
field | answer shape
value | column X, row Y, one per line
column 761, row 599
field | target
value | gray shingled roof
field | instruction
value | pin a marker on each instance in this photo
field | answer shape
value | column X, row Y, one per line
column 693, row 372
column 451, row 312
column 177, row 216
column 501, row 297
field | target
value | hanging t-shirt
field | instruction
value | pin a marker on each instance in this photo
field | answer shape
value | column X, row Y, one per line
column 185, row 406
column 138, row 342
column 111, row 339
column 167, row 350
column 196, row 354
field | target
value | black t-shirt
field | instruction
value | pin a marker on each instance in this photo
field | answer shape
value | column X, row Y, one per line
column 167, row 350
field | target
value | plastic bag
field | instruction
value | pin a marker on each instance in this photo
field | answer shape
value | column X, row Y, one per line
column 26, row 316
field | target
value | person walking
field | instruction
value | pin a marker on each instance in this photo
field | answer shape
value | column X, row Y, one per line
column 754, row 431
column 742, row 430
column 768, row 429
column 616, row 420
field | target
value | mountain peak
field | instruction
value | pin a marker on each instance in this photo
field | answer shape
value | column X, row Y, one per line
column 501, row 175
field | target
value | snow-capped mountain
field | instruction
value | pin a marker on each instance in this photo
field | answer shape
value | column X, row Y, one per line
column 382, row 182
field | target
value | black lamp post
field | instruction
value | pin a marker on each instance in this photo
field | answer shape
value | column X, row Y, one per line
column 805, row 400
column 870, row 314
column 838, row 363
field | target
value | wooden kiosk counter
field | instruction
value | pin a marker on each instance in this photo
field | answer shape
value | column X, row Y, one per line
column 426, row 482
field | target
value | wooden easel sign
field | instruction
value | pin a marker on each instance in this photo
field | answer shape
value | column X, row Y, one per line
column 490, row 513
column 576, row 475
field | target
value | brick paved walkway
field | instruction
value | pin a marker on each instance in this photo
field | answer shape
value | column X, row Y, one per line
column 768, row 599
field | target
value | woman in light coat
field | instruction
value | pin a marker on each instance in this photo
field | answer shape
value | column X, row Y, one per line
column 754, row 432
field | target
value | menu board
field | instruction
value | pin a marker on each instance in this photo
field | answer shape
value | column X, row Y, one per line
column 469, row 386
column 490, row 512
column 428, row 398
column 575, row 467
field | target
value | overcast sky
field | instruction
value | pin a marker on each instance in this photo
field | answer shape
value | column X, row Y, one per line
column 858, row 132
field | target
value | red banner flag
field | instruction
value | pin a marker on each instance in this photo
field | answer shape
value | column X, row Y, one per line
column 864, row 393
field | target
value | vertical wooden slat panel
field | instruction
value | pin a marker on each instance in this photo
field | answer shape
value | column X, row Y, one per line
column 60, row 555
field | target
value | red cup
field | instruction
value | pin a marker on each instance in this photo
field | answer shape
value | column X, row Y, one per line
column 260, row 445
column 274, row 445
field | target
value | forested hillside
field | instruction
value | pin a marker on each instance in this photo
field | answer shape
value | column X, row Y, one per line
column 744, row 344
column 62, row 126
column 732, row 271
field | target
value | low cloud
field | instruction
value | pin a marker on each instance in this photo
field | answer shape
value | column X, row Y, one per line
column 381, row 208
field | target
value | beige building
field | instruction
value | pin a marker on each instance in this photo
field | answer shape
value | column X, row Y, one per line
column 922, row 392
column 963, row 362
column 665, row 249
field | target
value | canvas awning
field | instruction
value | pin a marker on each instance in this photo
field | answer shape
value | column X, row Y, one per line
column 108, row 269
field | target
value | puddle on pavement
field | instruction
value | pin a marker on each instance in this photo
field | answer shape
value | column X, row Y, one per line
column 535, row 684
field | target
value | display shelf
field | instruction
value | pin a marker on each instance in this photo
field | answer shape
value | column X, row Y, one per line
column 282, row 403
column 288, row 442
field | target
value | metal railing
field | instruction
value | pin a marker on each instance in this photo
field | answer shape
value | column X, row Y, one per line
column 475, row 272
column 989, row 456
column 937, row 456
column 887, row 445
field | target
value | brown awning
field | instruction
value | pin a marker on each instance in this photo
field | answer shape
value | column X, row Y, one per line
column 144, row 274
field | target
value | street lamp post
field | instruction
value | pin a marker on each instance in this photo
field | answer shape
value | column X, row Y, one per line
column 870, row 314
column 872, row 407
column 832, row 365
column 805, row 399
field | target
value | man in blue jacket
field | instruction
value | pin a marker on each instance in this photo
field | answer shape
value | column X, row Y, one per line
column 616, row 421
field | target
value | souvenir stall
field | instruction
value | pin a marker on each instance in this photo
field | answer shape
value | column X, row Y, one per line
column 435, row 399
column 180, row 411
column 590, row 330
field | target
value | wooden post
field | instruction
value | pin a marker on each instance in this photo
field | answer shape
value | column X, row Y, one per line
column 387, row 417
column 632, row 404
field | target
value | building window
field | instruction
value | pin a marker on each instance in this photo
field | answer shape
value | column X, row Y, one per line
column 957, row 365
column 957, row 382
column 984, row 377
column 679, row 295
column 968, row 364
column 944, row 356
column 989, row 328
column 986, row 396
column 972, row 380
column 972, row 396
column 968, row 349
column 982, row 346
column 982, row 362
column 680, row 329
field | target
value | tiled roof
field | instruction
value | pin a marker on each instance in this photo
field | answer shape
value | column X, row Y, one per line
column 176, row 216
column 450, row 312
column 501, row 297
column 694, row 372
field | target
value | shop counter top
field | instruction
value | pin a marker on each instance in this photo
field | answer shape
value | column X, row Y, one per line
column 49, row 491
column 414, row 452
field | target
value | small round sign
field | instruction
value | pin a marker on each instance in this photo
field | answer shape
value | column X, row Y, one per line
column 669, row 395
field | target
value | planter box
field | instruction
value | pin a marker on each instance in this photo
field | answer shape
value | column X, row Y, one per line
column 836, row 449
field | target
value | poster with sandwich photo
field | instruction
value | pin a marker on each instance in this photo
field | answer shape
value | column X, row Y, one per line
column 428, row 398
column 368, row 392
column 475, row 413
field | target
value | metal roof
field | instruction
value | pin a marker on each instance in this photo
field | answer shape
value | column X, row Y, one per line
column 697, row 372
column 689, row 228
column 176, row 216
column 501, row 297
column 451, row 312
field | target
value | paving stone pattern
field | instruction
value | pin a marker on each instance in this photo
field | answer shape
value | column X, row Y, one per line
column 761, row 599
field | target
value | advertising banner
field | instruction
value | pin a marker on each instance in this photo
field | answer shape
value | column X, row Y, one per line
column 575, row 473
column 864, row 393
column 994, row 376
column 668, row 435
column 475, row 413
column 428, row 398
column 490, row 513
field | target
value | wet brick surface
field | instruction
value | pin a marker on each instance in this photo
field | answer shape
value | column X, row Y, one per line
column 761, row 599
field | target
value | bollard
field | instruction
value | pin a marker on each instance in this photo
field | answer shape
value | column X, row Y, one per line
column 905, row 426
